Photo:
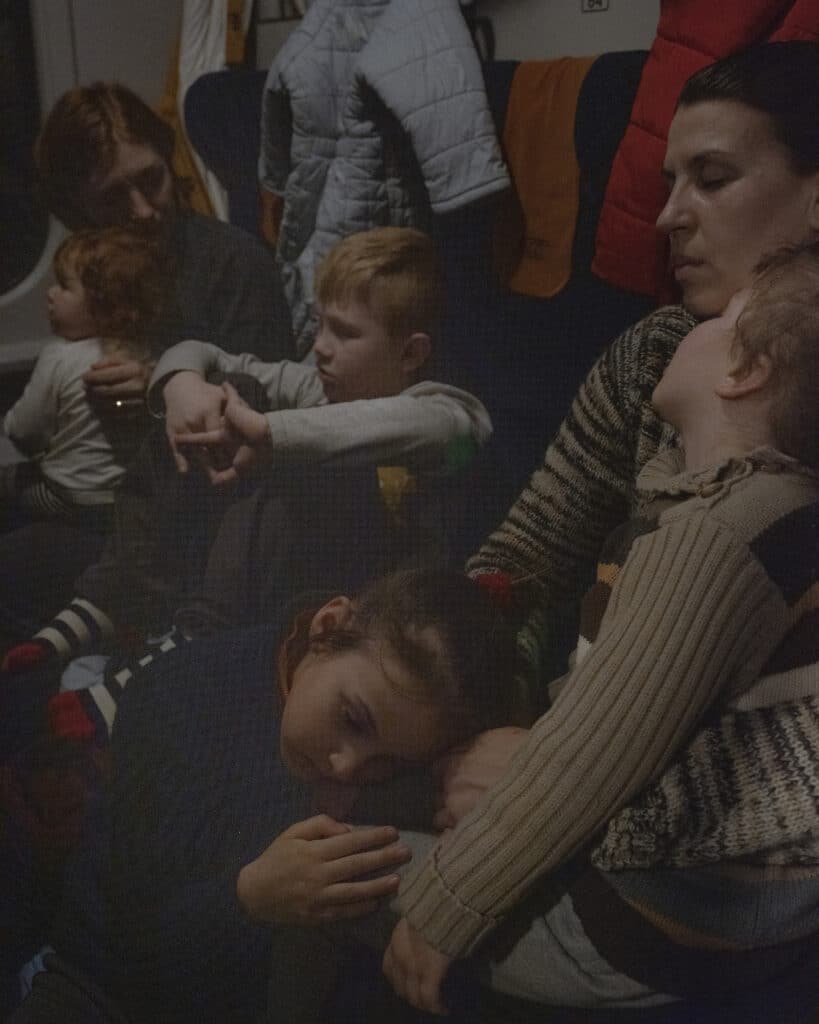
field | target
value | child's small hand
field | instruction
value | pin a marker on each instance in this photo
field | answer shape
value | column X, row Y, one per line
column 191, row 404
column 237, row 444
column 415, row 969
column 306, row 875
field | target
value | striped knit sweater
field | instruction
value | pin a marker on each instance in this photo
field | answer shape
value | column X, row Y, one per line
column 711, row 606
column 552, row 535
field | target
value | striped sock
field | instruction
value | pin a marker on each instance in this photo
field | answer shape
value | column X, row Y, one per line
column 88, row 713
column 41, row 497
column 78, row 628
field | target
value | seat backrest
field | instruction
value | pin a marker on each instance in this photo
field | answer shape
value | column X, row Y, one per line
column 223, row 112
column 526, row 356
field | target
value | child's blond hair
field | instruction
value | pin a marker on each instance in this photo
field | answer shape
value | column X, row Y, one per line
column 392, row 271
column 781, row 321
column 126, row 275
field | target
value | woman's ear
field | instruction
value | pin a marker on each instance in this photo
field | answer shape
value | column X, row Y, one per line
column 415, row 352
column 740, row 382
column 336, row 614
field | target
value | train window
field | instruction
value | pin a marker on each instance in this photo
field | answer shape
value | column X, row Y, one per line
column 23, row 221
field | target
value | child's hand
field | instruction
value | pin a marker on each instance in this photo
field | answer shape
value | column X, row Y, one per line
column 305, row 876
column 240, row 442
column 191, row 405
column 415, row 969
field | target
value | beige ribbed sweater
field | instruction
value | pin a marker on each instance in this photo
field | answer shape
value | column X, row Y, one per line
column 693, row 617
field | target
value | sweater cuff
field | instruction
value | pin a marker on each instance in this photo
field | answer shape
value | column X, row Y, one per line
column 434, row 911
column 277, row 431
column 154, row 399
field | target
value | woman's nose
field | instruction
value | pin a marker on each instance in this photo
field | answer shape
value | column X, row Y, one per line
column 673, row 215
column 51, row 293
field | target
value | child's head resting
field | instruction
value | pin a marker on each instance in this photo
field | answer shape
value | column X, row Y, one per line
column 111, row 282
column 778, row 331
column 415, row 664
column 751, row 375
column 379, row 295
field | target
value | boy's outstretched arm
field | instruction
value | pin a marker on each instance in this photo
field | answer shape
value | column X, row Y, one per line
column 307, row 875
column 179, row 391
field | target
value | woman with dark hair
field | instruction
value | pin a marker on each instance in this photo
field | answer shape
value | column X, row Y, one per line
column 742, row 166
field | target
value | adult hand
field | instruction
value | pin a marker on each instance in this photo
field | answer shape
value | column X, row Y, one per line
column 115, row 383
column 415, row 969
column 306, row 876
column 191, row 405
column 468, row 771
column 237, row 445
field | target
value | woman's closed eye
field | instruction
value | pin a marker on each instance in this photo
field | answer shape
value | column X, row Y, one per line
column 713, row 182
column 712, row 175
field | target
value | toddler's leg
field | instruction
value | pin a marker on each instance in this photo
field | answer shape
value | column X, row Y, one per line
column 134, row 585
column 136, row 579
column 119, row 588
column 81, row 626
column 37, row 565
column 89, row 713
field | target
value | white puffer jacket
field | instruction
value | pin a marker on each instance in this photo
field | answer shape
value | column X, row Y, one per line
column 374, row 113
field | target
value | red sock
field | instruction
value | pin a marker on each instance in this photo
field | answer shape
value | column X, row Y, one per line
column 67, row 717
column 25, row 656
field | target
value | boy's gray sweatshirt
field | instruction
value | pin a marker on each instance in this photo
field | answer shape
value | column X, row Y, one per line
column 427, row 426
